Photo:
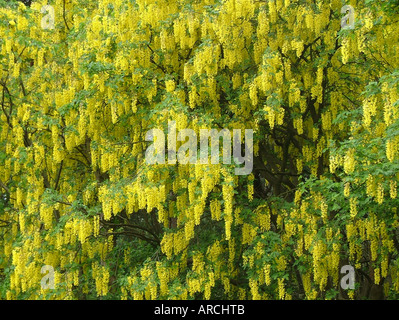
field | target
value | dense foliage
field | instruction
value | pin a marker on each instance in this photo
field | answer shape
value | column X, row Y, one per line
column 77, row 194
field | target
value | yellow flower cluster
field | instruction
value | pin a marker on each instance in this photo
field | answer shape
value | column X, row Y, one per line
column 228, row 193
column 248, row 233
column 349, row 161
column 101, row 275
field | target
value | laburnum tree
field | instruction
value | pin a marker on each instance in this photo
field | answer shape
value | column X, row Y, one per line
column 77, row 194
